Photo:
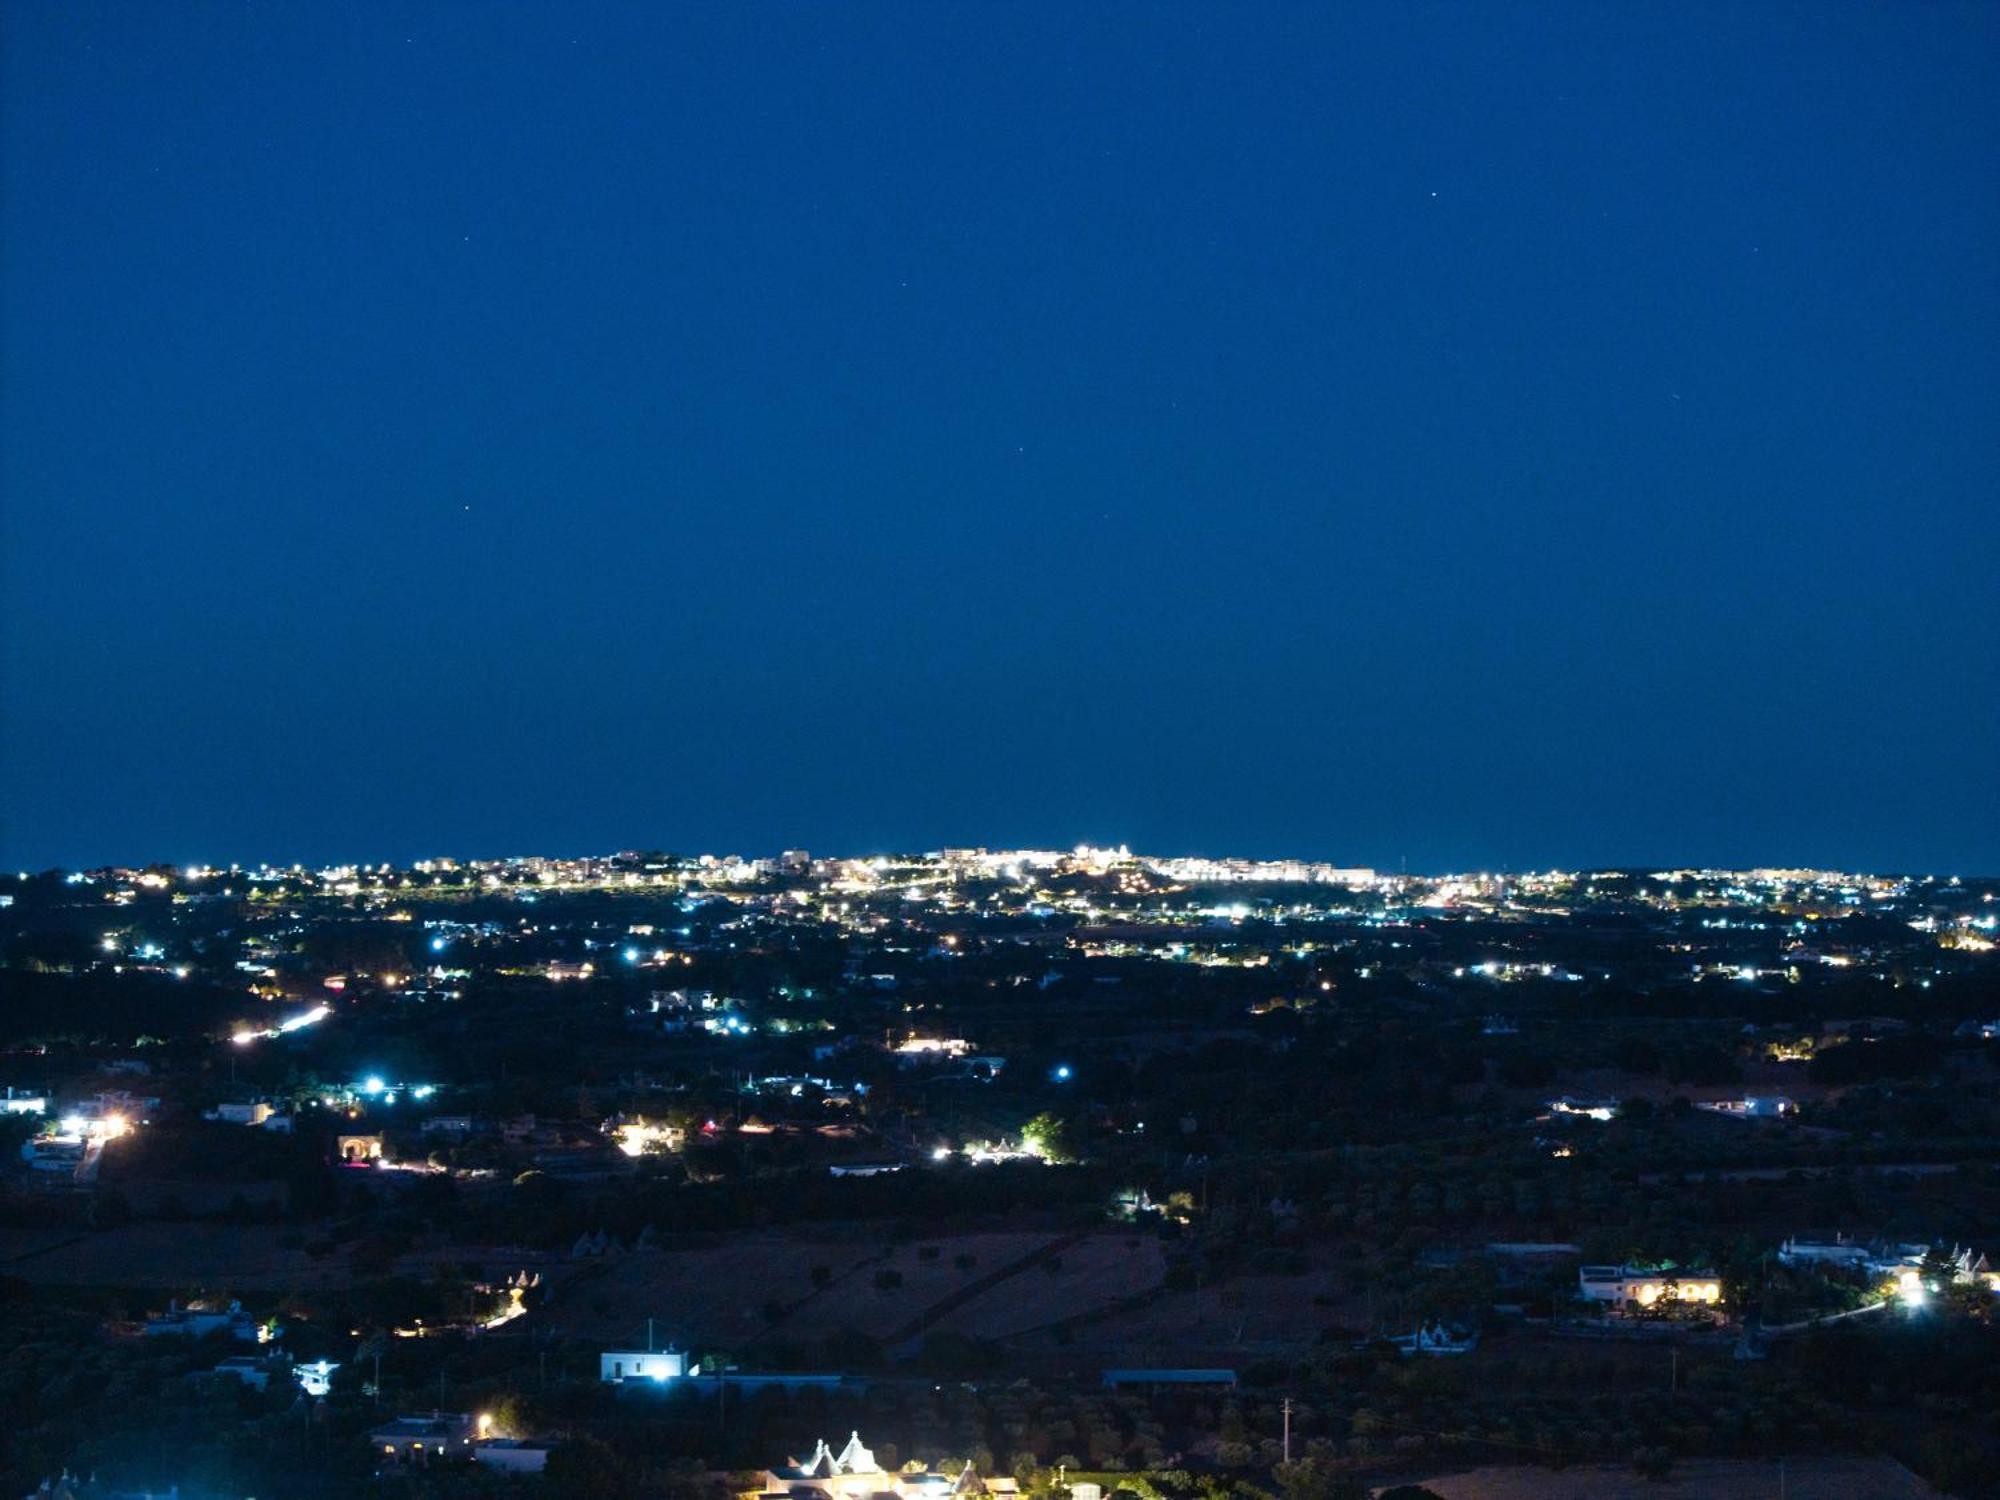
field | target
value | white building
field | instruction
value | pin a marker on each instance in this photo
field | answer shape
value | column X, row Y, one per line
column 443, row 1435
column 1435, row 1338
column 1753, row 1107
column 1838, row 1251
column 616, row 1366
column 513, row 1455
column 54, row 1153
column 241, row 1114
column 195, row 1323
column 931, row 1048
column 1621, row 1285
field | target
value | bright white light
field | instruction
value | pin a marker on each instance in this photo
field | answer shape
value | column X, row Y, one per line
column 942, row 1153
column 316, row 1378
column 631, row 955
column 438, row 944
column 1062, row 1073
column 373, row 1086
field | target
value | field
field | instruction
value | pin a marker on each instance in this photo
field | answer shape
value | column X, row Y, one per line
column 1702, row 1479
column 732, row 1292
column 211, row 1256
column 1249, row 1316
column 761, row 1287
column 214, row 1258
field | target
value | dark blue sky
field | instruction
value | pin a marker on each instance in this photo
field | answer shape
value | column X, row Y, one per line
column 1476, row 434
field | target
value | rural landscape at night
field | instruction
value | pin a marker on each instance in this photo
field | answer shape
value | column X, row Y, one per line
column 1030, row 1165
column 907, row 751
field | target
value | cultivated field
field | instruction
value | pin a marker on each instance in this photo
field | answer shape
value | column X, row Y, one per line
column 750, row 1288
column 1088, row 1277
column 1246, row 1317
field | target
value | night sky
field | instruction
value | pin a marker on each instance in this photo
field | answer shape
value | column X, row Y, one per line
column 1469, row 435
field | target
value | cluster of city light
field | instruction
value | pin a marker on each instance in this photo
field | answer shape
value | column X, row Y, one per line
column 638, row 1138
column 244, row 1036
column 935, row 875
column 375, row 1086
column 986, row 1153
column 1649, row 1292
column 1599, row 1112
column 1493, row 969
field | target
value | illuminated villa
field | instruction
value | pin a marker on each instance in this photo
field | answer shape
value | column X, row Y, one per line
column 1621, row 1286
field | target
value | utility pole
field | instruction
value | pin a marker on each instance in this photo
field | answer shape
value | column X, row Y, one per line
column 1674, row 1364
column 1287, row 1409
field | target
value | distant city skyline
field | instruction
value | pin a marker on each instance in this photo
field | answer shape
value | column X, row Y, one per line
column 1203, row 865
